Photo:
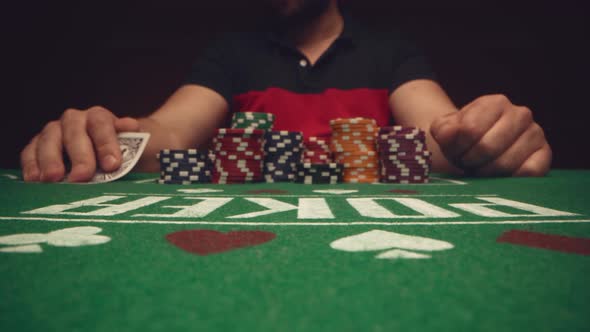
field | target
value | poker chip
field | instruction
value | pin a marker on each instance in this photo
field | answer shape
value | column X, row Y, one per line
column 317, row 151
column 255, row 120
column 282, row 155
column 353, row 146
column 404, row 157
column 185, row 166
column 309, row 173
column 239, row 155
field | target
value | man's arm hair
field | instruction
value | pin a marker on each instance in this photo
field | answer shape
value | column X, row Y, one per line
column 418, row 103
column 186, row 120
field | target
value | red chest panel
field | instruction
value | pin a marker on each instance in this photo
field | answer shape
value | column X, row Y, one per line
column 311, row 113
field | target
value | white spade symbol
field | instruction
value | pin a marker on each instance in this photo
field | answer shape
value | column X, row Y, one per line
column 397, row 245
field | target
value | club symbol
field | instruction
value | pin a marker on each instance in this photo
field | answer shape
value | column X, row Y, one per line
column 67, row 237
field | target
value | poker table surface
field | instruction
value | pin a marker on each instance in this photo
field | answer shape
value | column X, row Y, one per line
column 456, row 254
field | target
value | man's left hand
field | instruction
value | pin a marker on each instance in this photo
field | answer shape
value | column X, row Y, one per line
column 493, row 137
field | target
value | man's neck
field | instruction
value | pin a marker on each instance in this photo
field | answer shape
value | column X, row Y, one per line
column 326, row 27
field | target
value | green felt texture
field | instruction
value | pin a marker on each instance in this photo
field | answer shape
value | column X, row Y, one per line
column 140, row 282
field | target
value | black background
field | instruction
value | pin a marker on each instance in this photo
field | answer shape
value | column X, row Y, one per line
column 130, row 55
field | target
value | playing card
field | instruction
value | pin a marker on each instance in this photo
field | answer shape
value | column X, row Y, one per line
column 380, row 240
column 132, row 146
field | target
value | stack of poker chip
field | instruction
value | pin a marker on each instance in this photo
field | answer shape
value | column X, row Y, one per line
column 403, row 155
column 253, row 120
column 319, row 173
column 238, row 155
column 353, row 145
column 184, row 167
column 282, row 154
column 317, row 151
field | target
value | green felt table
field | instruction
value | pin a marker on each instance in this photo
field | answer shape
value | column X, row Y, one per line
column 306, row 275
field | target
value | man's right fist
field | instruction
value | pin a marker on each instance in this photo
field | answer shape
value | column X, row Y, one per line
column 88, row 137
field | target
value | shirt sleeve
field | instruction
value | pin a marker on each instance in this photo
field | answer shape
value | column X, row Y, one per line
column 409, row 63
column 213, row 69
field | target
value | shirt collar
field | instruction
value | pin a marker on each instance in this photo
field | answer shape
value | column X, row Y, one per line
column 349, row 34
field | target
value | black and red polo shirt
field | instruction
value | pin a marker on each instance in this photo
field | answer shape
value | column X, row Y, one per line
column 262, row 72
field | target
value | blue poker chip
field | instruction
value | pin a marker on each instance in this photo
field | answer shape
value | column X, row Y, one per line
column 314, row 179
column 187, row 173
column 182, row 154
column 276, row 135
column 180, row 165
column 181, row 182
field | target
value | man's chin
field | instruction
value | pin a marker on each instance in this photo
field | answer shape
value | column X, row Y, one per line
column 292, row 13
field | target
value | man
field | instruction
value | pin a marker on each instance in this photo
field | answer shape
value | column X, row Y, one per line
column 315, row 66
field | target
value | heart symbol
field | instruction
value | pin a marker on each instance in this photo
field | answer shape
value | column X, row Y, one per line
column 205, row 242
column 377, row 240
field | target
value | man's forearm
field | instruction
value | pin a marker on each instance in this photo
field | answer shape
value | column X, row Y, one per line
column 161, row 138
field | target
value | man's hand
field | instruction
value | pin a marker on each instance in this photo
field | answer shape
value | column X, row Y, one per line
column 86, row 136
column 493, row 137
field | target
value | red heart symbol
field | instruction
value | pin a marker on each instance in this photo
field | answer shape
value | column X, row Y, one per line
column 204, row 242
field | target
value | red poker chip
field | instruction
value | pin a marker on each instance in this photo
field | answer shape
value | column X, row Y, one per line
column 404, row 175
column 239, row 167
column 397, row 168
column 401, row 138
column 416, row 176
column 370, row 145
column 402, row 143
column 322, row 155
column 407, row 161
column 391, row 164
column 384, row 154
column 402, row 154
column 238, row 143
column 404, row 172
column 239, row 131
column 405, row 166
column 317, row 143
column 397, row 129
column 239, row 155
